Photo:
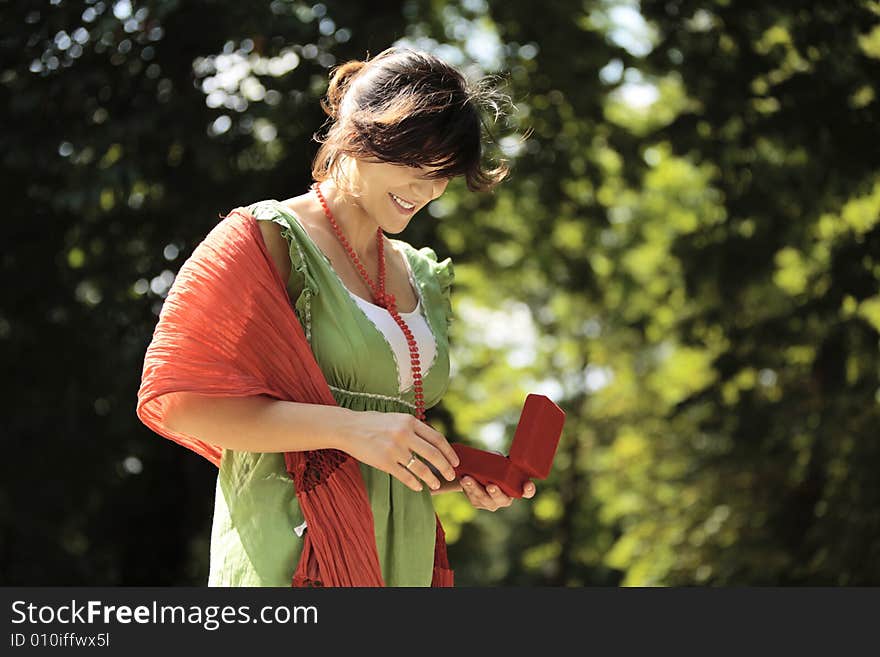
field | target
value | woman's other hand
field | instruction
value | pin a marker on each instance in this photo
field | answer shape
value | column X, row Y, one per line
column 389, row 441
column 491, row 497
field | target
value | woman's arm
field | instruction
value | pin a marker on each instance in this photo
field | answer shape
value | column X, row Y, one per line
column 260, row 423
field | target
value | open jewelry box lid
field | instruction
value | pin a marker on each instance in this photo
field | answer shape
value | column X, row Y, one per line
column 537, row 436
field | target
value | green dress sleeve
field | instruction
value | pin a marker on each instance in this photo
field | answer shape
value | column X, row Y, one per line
column 444, row 273
column 301, row 286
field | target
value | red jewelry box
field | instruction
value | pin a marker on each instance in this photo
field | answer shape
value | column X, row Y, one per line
column 531, row 453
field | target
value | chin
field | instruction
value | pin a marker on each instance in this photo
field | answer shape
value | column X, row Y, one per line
column 396, row 227
column 395, row 232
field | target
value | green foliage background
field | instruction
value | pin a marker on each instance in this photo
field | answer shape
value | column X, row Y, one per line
column 686, row 258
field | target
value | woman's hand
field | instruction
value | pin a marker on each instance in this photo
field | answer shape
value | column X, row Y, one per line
column 387, row 441
column 491, row 497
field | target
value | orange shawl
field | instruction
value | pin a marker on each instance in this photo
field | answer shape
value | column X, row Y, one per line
column 227, row 328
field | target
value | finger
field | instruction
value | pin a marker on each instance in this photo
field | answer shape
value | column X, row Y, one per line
column 424, row 473
column 473, row 496
column 498, row 496
column 430, row 434
column 529, row 490
column 406, row 477
column 476, row 492
column 434, row 455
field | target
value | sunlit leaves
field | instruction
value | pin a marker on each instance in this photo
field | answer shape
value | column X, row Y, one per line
column 681, row 373
column 870, row 42
column 792, row 271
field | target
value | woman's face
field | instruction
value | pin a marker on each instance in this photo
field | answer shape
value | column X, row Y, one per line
column 377, row 181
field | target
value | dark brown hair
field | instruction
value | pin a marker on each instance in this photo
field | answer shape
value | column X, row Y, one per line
column 410, row 108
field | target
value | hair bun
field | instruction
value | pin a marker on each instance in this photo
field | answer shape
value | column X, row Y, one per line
column 339, row 82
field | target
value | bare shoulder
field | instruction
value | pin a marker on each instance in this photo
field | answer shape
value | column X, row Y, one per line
column 311, row 217
column 297, row 203
column 303, row 207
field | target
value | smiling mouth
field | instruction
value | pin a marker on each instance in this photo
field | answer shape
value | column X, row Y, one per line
column 402, row 209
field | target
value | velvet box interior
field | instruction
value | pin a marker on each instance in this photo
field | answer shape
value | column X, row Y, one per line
column 531, row 452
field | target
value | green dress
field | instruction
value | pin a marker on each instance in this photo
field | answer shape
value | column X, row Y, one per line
column 258, row 527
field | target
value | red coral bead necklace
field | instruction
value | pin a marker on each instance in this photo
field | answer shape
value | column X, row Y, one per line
column 383, row 299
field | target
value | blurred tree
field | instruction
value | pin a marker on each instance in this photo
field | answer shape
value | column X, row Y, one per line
column 782, row 290
column 128, row 128
column 703, row 275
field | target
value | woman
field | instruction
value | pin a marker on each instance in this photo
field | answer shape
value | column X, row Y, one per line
column 375, row 311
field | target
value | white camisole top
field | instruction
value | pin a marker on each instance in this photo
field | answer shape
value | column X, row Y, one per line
column 416, row 322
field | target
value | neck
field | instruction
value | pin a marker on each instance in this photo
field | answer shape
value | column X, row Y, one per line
column 356, row 225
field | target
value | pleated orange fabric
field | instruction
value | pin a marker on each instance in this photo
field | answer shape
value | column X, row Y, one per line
column 227, row 328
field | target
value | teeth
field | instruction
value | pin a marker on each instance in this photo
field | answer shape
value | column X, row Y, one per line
column 402, row 202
